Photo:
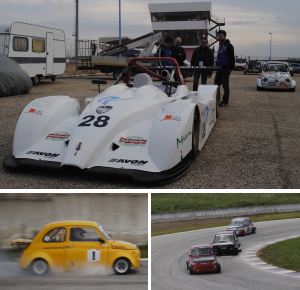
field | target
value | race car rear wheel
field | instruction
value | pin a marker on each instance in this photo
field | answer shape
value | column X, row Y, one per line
column 195, row 135
column 39, row 267
column 121, row 266
column 190, row 270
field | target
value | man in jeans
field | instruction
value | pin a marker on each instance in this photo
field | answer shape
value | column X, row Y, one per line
column 202, row 56
column 226, row 62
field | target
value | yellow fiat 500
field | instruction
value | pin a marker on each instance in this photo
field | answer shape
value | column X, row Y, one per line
column 69, row 245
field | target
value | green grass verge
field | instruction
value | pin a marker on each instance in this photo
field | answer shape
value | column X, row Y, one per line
column 181, row 202
column 184, row 226
column 284, row 254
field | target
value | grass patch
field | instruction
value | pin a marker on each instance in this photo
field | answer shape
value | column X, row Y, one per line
column 284, row 254
column 184, row 226
column 144, row 251
column 181, row 202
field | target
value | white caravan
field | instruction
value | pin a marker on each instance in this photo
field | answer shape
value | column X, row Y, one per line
column 39, row 50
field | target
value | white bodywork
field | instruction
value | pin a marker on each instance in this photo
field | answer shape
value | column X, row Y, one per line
column 275, row 75
column 49, row 63
column 242, row 226
column 123, row 128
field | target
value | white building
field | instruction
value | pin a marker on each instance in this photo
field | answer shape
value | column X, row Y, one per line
column 190, row 20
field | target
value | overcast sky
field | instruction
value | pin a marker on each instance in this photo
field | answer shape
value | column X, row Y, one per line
column 248, row 23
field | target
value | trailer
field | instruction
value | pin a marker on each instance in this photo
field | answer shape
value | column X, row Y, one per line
column 114, row 59
column 39, row 50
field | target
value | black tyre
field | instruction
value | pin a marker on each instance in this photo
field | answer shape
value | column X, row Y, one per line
column 190, row 271
column 259, row 88
column 53, row 79
column 122, row 266
column 36, row 80
column 195, row 135
column 293, row 90
column 218, row 270
column 236, row 251
column 39, row 267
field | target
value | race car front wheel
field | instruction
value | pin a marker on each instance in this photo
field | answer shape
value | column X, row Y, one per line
column 218, row 269
column 121, row 266
column 39, row 267
column 195, row 135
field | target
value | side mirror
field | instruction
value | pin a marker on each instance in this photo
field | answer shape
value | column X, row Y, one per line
column 101, row 241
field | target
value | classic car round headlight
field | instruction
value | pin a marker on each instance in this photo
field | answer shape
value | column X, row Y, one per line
column 288, row 80
column 265, row 79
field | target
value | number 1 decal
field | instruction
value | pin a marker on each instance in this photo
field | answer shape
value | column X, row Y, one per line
column 93, row 255
column 101, row 121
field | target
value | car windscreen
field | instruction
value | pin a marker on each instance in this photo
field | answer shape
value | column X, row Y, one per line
column 276, row 68
column 223, row 238
column 107, row 236
column 236, row 223
column 202, row 252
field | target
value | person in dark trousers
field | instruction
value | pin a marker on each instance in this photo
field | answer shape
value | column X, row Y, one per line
column 165, row 50
column 202, row 56
column 226, row 62
column 178, row 51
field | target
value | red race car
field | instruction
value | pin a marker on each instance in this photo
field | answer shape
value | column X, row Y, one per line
column 202, row 259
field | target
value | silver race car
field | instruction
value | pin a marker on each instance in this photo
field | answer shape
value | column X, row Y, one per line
column 275, row 76
column 148, row 127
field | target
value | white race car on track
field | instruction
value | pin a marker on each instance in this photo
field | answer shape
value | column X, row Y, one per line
column 275, row 76
column 149, row 130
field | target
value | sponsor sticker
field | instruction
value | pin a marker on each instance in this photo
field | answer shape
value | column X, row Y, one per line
column 107, row 100
column 103, row 109
column 35, row 110
column 133, row 141
column 58, row 136
column 128, row 161
column 43, row 154
column 78, row 147
column 183, row 138
column 170, row 117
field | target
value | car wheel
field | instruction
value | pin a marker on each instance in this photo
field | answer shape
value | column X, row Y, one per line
column 236, row 251
column 218, row 270
column 36, row 80
column 190, row 271
column 195, row 135
column 122, row 266
column 53, row 79
column 258, row 88
column 39, row 267
column 293, row 90
column 253, row 231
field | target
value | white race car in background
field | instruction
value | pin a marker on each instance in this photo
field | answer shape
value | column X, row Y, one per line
column 242, row 226
column 275, row 76
column 149, row 130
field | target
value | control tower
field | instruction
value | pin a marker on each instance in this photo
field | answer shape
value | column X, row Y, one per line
column 190, row 20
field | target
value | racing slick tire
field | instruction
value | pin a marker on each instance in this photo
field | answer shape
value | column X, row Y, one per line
column 121, row 266
column 293, row 89
column 259, row 88
column 39, row 267
column 236, row 251
column 218, row 270
column 253, row 231
column 190, row 271
column 195, row 135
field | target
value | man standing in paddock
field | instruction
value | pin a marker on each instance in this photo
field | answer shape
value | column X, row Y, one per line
column 226, row 62
column 202, row 56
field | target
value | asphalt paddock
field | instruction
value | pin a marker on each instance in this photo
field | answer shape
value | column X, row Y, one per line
column 255, row 143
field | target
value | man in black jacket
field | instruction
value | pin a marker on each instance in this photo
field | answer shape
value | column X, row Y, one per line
column 202, row 56
column 226, row 62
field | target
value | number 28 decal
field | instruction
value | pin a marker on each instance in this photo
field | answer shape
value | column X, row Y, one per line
column 101, row 121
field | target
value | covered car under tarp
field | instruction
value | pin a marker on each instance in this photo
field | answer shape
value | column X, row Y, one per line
column 13, row 79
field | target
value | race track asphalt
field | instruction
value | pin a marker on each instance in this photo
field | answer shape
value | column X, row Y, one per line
column 12, row 278
column 255, row 143
column 169, row 254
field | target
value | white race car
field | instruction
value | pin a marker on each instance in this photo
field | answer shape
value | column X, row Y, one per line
column 149, row 130
column 275, row 76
